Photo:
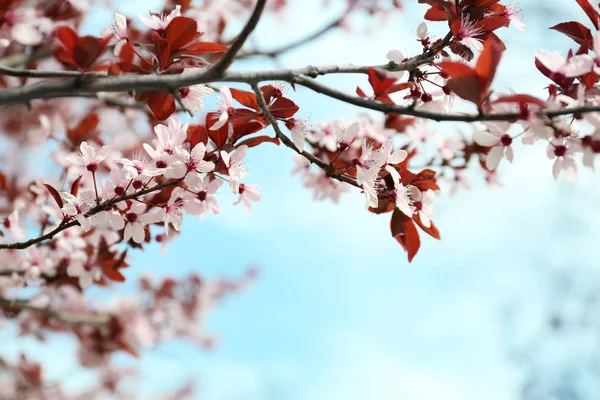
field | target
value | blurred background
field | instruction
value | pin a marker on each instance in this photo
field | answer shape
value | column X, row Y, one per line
column 504, row 307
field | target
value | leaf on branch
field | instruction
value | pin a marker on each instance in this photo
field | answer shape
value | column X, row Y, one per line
column 576, row 31
column 54, row 193
column 589, row 11
column 255, row 141
column 75, row 186
column 405, row 232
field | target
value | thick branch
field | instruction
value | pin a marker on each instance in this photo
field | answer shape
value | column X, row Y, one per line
column 82, row 87
column 289, row 143
column 68, row 317
column 220, row 67
column 99, row 208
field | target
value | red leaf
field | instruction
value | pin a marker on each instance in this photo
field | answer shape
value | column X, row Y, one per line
column 283, row 108
column 576, row 31
column 521, row 99
column 197, row 134
column 432, row 230
column 180, row 32
column 75, row 186
column 405, row 232
column 54, row 193
column 219, row 136
column 87, row 50
column 245, row 98
column 255, row 141
column 162, row 49
column 113, row 274
column 67, row 36
column 247, row 128
column 205, row 47
column 85, row 129
column 590, row 12
column 162, row 104
column 379, row 82
column 467, row 87
column 488, row 62
column 456, row 69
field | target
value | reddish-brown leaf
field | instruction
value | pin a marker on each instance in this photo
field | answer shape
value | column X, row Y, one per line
column 162, row 49
column 255, row 141
column 487, row 63
column 197, row 134
column 75, row 186
column 431, row 231
column 576, row 31
column 521, row 99
column 54, row 193
column 205, row 47
column 162, row 104
column 456, row 69
column 219, row 136
column 283, row 108
column 67, row 36
column 589, row 11
column 467, row 87
column 245, row 98
column 405, row 232
column 87, row 50
column 180, row 32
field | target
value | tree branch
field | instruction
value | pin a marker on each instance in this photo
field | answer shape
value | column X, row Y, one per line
column 99, row 208
column 68, row 317
column 81, row 87
column 328, row 168
column 305, row 40
column 221, row 66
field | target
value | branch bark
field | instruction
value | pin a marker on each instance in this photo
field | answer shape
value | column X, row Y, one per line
column 68, row 317
column 289, row 143
column 99, row 208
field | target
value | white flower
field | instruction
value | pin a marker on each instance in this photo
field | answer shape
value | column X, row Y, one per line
column 117, row 33
column 160, row 22
column 87, row 274
column 202, row 200
column 136, row 221
column 563, row 68
column 395, row 56
column 172, row 213
column 345, row 137
column 422, row 203
column 497, row 138
column 89, row 157
column 422, row 31
column 562, row 150
column 223, row 112
column 193, row 96
column 248, row 194
column 235, row 166
column 78, row 207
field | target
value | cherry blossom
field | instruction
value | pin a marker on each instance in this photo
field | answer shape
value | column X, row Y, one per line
column 298, row 130
column 469, row 34
column 136, row 220
column 562, row 68
column 193, row 96
column 224, row 109
column 235, row 166
column 561, row 150
column 499, row 141
column 78, row 206
column 172, row 213
column 117, row 33
column 89, row 157
column 423, row 204
column 201, row 200
column 345, row 136
column 159, row 22
column 248, row 193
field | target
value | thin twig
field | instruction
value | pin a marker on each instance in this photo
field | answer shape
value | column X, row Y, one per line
column 221, row 66
column 305, row 40
column 68, row 317
column 289, row 143
column 99, row 208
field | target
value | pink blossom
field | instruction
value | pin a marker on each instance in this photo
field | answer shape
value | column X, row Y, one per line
column 345, row 136
column 202, row 200
column 469, row 34
column 194, row 161
column 422, row 204
column 500, row 142
column 169, row 137
column 78, row 207
column 136, row 220
column 89, row 157
column 248, row 193
column 224, row 109
column 193, row 96
column 117, row 33
column 562, row 151
column 561, row 68
column 298, row 130
column 159, row 22
column 84, row 271
column 172, row 213
column 235, row 166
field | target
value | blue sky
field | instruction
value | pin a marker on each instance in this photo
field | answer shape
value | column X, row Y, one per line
column 337, row 312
